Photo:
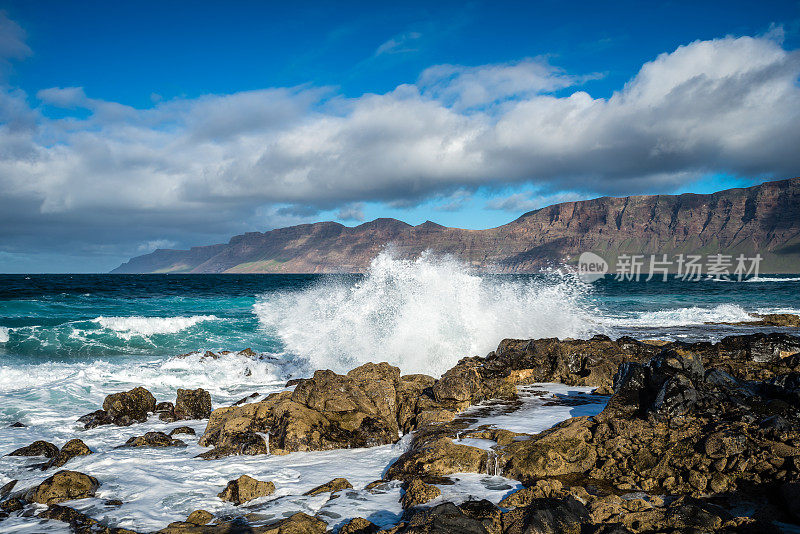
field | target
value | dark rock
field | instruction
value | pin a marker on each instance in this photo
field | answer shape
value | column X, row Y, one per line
column 154, row 439
column 245, row 489
column 166, row 411
column 336, row 484
column 12, row 505
column 63, row 486
column 247, row 398
column 113, row 502
column 95, row 419
column 182, row 430
column 122, row 409
column 790, row 494
column 37, row 448
column 70, row 450
column 193, row 404
column 547, row 516
column 17, row 425
column 6, row 489
column 79, row 523
column 133, row 406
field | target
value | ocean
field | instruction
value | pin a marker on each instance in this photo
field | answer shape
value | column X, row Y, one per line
column 67, row 341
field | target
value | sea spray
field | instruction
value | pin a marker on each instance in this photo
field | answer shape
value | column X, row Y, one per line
column 422, row 315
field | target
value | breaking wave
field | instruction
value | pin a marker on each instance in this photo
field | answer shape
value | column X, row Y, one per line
column 422, row 315
column 723, row 313
column 128, row 327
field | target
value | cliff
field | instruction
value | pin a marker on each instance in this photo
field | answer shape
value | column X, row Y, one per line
column 763, row 219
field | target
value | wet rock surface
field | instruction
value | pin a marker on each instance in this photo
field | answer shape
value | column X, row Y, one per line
column 246, row 488
column 701, row 437
column 154, row 439
column 336, row 484
column 63, row 486
column 192, row 404
column 37, row 448
column 71, row 449
column 417, row 492
column 122, row 409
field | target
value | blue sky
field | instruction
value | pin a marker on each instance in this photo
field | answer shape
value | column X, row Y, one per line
column 128, row 126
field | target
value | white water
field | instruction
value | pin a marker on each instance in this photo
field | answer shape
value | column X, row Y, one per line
column 3, row 334
column 128, row 327
column 723, row 313
column 421, row 315
column 161, row 485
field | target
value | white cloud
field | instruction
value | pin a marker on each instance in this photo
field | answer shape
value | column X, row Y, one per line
column 351, row 212
column 523, row 202
column 217, row 163
column 405, row 42
column 468, row 87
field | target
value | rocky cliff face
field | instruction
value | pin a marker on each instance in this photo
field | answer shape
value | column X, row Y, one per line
column 763, row 219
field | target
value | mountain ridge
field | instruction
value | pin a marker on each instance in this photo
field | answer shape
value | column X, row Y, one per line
column 762, row 219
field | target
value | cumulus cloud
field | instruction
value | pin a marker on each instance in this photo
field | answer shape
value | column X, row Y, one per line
column 463, row 87
column 523, row 202
column 221, row 164
column 351, row 212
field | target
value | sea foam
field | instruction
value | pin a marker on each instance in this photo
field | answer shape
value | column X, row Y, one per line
column 694, row 315
column 421, row 315
column 147, row 326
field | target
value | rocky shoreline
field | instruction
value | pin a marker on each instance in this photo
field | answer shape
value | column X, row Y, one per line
column 698, row 437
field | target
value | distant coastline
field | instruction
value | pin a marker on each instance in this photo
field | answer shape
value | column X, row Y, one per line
column 763, row 219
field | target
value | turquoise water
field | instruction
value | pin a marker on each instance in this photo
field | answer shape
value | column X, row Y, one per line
column 67, row 341
column 84, row 317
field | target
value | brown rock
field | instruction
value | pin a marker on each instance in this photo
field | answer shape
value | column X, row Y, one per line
column 71, row 449
column 336, row 484
column 12, row 505
column 417, row 492
column 245, row 489
column 154, row 439
column 37, row 448
column 166, row 411
column 7, row 487
column 439, row 457
column 200, row 517
column 299, row 523
column 182, row 430
column 193, row 404
column 64, row 486
column 358, row 525
column 130, row 407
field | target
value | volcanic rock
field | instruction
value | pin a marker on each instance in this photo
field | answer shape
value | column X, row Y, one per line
column 37, row 448
column 358, row 525
column 71, row 449
column 245, row 489
column 154, row 439
column 122, row 409
column 417, row 492
column 63, row 486
column 336, row 484
column 328, row 411
column 193, row 404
